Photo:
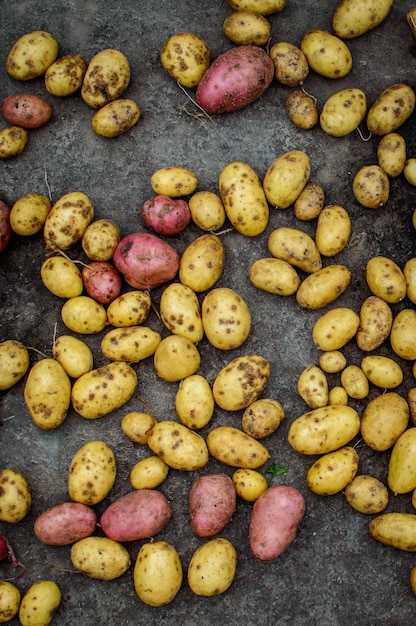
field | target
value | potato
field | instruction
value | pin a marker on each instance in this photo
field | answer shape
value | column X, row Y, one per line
column 309, row 202
column 411, row 20
column 103, row 390
column 186, row 57
column 158, row 573
column 391, row 154
column 212, row 500
column 351, row 18
column 391, row 109
column 165, row 216
column 382, row 371
column 137, row 515
column 175, row 358
column 5, row 226
column 131, row 344
column 274, row 276
column 180, row 312
column 275, row 518
column 207, row 210
column 366, row 494
column 242, row 381
column 194, row 402
column 312, row 386
column 401, row 476
column 323, row 286
column 337, row 395
column 47, row 394
column 385, row 279
column 102, row 281
column 355, row 382
column 61, row 277
column 409, row 172
column 26, row 110
column 262, row 418
column 403, row 334
column 137, row 426
column 235, row 448
column 31, row 55
column 226, row 318
column 285, row 178
column 9, row 601
column 397, row 530
column 245, row 28
column 179, row 446
column 326, row 54
column 212, row 567
column 14, row 362
column 13, row 141
column 332, row 472
column 84, row 315
column 100, row 239
column 343, row 112
column 301, row 109
column 91, row 473
column 130, row 309
column 65, row 523
column 65, row 75
column 100, row 557
column 15, row 496
column 332, row 361
column 202, row 262
column 411, row 400
column 371, row 186
column 296, row 248
column 173, row 181
column 67, row 220
column 249, row 484
column 409, row 272
column 106, row 79
column 235, row 79
column 116, row 117
column 263, row 7
column 384, row 419
column 376, row 319
column 73, row 354
column 40, row 603
column 290, row 65
column 412, row 580
column 335, row 328
column 148, row 473
column 324, row 430
column 243, row 198
column 28, row 214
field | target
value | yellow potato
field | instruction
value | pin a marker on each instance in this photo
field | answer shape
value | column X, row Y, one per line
column 9, row 601
column 47, row 394
column 132, row 344
column 412, row 580
column 262, row 418
column 249, row 484
column 158, row 573
column 403, row 334
column 245, row 28
column 411, row 400
column 367, row 494
column 264, row 7
column 397, row 530
column 226, row 318
column 385, row 279
column 384, row 419
column 324, row 430
column 116, row 117
column 106, row 79
column 73, row 354
column 335, row 328
column 207, row 210
column 173, row 181
column 130, row 309
column 62, row 277
column 274, row 276
column 291, row 66
column 243, row 198
column 312, row 387
column 353, row 18
column 180, row 312
column 137, row 426
column 100, row 239
column 309, row 202
column 409, row 272
column 13, row 141
column 194, row 402
column 296, row 248
column 186, row 57
column 332, row 472
column 91, row 473
column 235, row 448
column 178, row 446
column 343, row 112
column 148, row 473
column 84, row 315
column 31, row 55
column 401, row 475
column 285, row 178
column 355, row 382
column 382, row 371
column 15, row 496
column 301, row 109
column 67, row 220
column 323, row 286
column 326, row 54
column 176, row 358
column 241, row 382
column 391, row 109
column 65, row 75
column 332, row 361
column 40, row 603
column 409, row 172
column 371, row 186
column 411, row 19
column 337, row 395
column 14, row 362
column 333, row 230
column 391, row 154
column 212, row 567
column 100, row 557
column 28, row 214
column 202, row 262
column 376, row 319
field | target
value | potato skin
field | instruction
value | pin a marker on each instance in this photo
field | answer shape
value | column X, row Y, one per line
column 14, row 362
column 186, row 57
column 67, row 220
column 15, row 496
column 353, row 18
column 236, row 448
column 31, row 55
column 212, row 567
column 397, row 530
column 241, row 382
column 106, row 79
column 65, row 524
column 116, row 117
column 291, row 66
column 166, row 216
column 47, row 394
column 324, row 429
column 100, row 557
column 212, row 501
column 158, row 573
column 177, row 445
column 391, row 109
column 65, row 75
column 91, row 473
column 5, row 226
column 26, row 110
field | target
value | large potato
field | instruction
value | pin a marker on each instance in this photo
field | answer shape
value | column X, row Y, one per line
column 262, row 418
column 333, row 230
column 245, row 28
column 335, row 328
column 40, row 603
column 212, row 567
column 235, row 448
column 323, row 286
column 241, row 382
column 129, row 309
column 401, row 476
column 67, row 220
column 343, row 112
column 106, row 79
column 73, row 354
column 100, row 557
column 177, row 445
column 9, row 601
column 202, row 262
column 296, row 248
column 385, row 279
column 371, row 186
column 324, row 429
column 186, row 57
column 290, row 65
column 175, row 358
column 353, row 18
column 391, row 154
column 62, row 277
column 326, row 54
column 15, row 496
column 91, row 473
column 65, row 523
column 367, row 494
column 376, row 319
column 116, row 117
column 384, row 419
column 403, row 334
column 391, row 109
column 313, row 387
column 274, row 276
column 28, row 214
column 332, row 472
column 31, row 55
column 131, row 344
column 14, row 362
column 397, row 530
column 180, row 312
column 65, row 75
column 158, row 573
column 84, row 315
column 47, row 394
column 212, row 500
column 226, row 318
column 285, row 178
column 194, row 402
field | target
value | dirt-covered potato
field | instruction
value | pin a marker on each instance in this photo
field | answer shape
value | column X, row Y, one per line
column 106, row 79
column 262, row 418
column 9, row 601
column 212, row 567
column 295, row 247
column 13, row 141
column 226, row 318
column 343, row 112
column 129, row 309
column 371, row 186
column 309, row 202
column 47, row 394
column 202, row 262
column 326, row 54
column 31, row 55
column 15, row 496
column 353, row 18
column 100, row 239
column 158, row 573
column 164, row 215
column 91, row 473
column 212, row 501
column 67, row 220
column 239, row 383
column 65, row 75
column 367, row 494
column 14, row 362
column 180, row 312
column 131, row 344
column 291, row 66
column 245, row 28
column 383, row 420
column 391, row 109
column 173, row 181
column 376, row 319
column 301, row 109
column 179, row 446
column 137, row 426
column 385, row 279
column 116, row 117
column 28, row 214
column 391, row 154
column 40, row 603
column 100, row 557
column 186, row 57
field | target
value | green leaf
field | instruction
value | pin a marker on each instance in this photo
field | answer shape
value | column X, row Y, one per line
column 274, row 470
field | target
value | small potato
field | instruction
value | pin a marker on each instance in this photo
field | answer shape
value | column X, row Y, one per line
column 102, row 281
column 366, row 494
column 31, row 55
column 235, row 448
column 106, row 79
column 84, row 315
column 332, row 472
column 371, row 186
column 28, row 214
column 376, row 319
column 249, row 484
column 130, row 309
column 403, row 334
column 207, row 210
column 180, row 312
column 67, row 220
column 262, row 418
column 26, row 110
column 186, row 57
column 335, row 328
column 61, row 277
column 352, row 18
column 309, row 202
column 212, row 500
column 285, row 178
column 47, row 394
column 178, row 446
column 382, row 371
column 14, row 362
column 241, row 382
column 148, row 473
column 116, row 117
column 13, row 141
column 384, row 419
column 245, row 28
column 397, row 530
column 343, row 112
column 355, row 382
column 132, row 344
column 173, row 181
column 100, row 240
column 296, row 248
column 337, row 395
column 291, row 66
column 401, row 476
column 409, row 272
column 263, row 7
column 65, row 75
column 332, row 361
column 274, row 276
column 391, row 109
column 391, row 154
column 15, row 496
column 326, row 54
column 40, row 603
column 212, row 567
column 158, row 573
column 385, row 279
column 9, row 601
column 194, row 402
column 411, row 400
column 73, row 354
column 165, row 216
column 176, row 358
column 226, row 318
column 301, row 109
column 409, row 172
column 65, row 523
column 323, row 286
column 91, row 473
column 100, row 557
column 202, row 262
column 312, row 386
column 5, row 226
column 137, row 426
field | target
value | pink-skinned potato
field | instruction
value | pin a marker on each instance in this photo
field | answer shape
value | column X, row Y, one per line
column 26, row 110
column 166, row 216
column 102, row 281
column 65, row 524
column 140, row 514
column 275, row 519
column 212, row 500
column 5, row 227
column 235, row 79
column 145, row 260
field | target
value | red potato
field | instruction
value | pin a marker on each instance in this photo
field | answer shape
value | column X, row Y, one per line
column 26, row 111
column 166, row 216
column 102, row 281
column 275, row 519
column 145, row 261
column 5, row 228
column 235, row 79
column 139, row 514
column 212, row 501
column 65, row 524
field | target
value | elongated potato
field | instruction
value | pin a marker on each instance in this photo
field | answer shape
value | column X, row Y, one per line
column 178, row 446
column 343, row 112
column 409, row 272
column 403, row 334
column 335, row 328
column 382, row 371
column 116, row 117
column 323, row 286
column 397, row 530
column 194, row 402
column 158, row 573
column 391, row 154
column 173, row 181
column 353, row 18
column 401, row 476
column 91, row 473
column 40, row 603
column 9, row 601
column 180, row 312
column 285, row 178
column 132, row 344
column 384, row 419
column 333, row 230
column 202, row 262
column 212, row 567
column 312, row 387
column 47, row 394
column 226, row 318
column 100, row 557
column 241, row 382
column 355, row 382
column 14, row 362
column 106, row 79
column 332, row 472
column 274, row 276
column 296, row 248
column 391, row 109
column 327, row 54
column 73, row 354
column 15, row 496
column 212, row 500
column 234, row 447
column 65, row 523
column 67, row 220
column 376, row 319
column 245, row 28
column 385, row 279
column 175, row 358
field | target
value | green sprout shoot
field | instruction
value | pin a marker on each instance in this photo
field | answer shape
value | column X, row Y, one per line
column 274, row 470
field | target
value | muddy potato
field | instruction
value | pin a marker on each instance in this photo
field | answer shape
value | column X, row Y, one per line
column 67, row 220
column 274, row 276
column 352, row 18
column 343, row 112
column 173, row 181
column 202, row 262
column 40, row 603
column 65, row 75
column 332, row 472
column 194, row 402
column 212, row 567
column 47, row 394
column 401, row 476
column 326, row 54
column 175, row 358
column 148, row 473
column 376, row 319
column 337, row 395
column 411, row 400
column 385, row 279
column 403, row 334
column 323, row 286
column 129, row 309
column 335, row 328
column 264, row 7
column 236, row 448
column 409, row 272
column 131, row 344
column 355, row 382
column 158, row 573
column 14, row 362
column 178, row 446
column 384, row 419
column 239, row 383
column 13, row 141
column 84, row 315
column 9, row 601
column 28, row 214
column 106, row 79
column 116, row 117
column 367, row 494
column 100, row 557
column 15, row 496
column 62, row 277
column 382, row 371
column 332, row 361
column 397, row 530
column 245, row 28
column 309, row 202
column 391, row 109
column 285, row 178
column 137, row 425
column 100, row 239
column 262, row 418
column 371, row 186
column 207, row 210
column 31, row 55
column 301, row 109
column 391, row 154
column 226, row 318
column 73, row 354
column 180, row 312
column 296, row 248
column 186, row 57
column 291, row 66
column 91, row 473
column 249, row 484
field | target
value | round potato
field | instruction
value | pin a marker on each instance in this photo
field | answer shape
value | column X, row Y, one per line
column 65, row 75
column 178, row 446
column 137, row 426
column 274, row 276
column 186, row 57
column 173, row 181
column 175, row 358
column 323, row 286
column 376, row 319
column 391, row 154
column 40, row 603
column 202, row 262
column 15, row 496
column 391, row 109
column 100, row 557
column 14, row 362
column 180, row 312
column 62, row 277
column 207, row 210
column 401, row 476
column 73, row 354
column 262, row 418
column 301, row 109
column 212, row 567
column 67, row 220
column 129, row 309
column 355, row 382
column 28, row 214
column 100, row 239
column 285, row 178
column 384, row 419
column 47, row 394
column 352, row 18
column 326, row 54
column 236, row 448
column 367, row 494
column 13, row 141
column 116, row 117
column 382, row 371
column 337, row 395
column 312, row 387
column 91, row 473
column 332, row 472
column 84, row 315
column 332, row 361
column 158, row 573
column 106, row 79
column 371, row 186
column 249, row 484
column 291, row 66
column 148, row 473
column 9, row 601
column 241, row 382
column 31, row 55
column 385, row 279
column 226, row 318
column 131, row 344
column 296, row 248
column 403, row 334
column 245, row 28
column 343, row 112
column 309, row 202
column 335, row 328
column 194, row 402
